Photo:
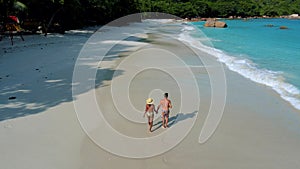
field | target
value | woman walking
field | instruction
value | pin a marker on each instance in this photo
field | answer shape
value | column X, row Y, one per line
column 149, row 111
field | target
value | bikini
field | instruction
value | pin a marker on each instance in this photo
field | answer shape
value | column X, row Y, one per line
column 150, row 113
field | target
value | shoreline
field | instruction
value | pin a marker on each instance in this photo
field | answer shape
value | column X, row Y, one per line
column 253, row 133
column 287, row 90
column 239, row 18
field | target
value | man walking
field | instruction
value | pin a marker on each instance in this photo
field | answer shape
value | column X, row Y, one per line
column 165, row 105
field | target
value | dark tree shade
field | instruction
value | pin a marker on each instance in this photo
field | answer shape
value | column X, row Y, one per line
column 77, row 13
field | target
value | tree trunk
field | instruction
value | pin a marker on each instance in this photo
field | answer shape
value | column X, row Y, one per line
column 51, row 20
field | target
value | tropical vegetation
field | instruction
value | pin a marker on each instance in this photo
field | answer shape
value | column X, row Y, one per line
column 77, row 13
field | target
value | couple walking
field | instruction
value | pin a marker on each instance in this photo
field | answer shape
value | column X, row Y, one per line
column 165, row 105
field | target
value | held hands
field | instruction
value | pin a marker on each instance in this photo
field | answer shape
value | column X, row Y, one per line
column 156, row 110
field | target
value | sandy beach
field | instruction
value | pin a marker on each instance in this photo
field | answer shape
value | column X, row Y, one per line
column 44, row 125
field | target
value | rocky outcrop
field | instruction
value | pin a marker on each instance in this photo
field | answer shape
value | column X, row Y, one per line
column 214, row 23
column 283, row 27
column 269, row 25
column 220, row 24
column 210, row 23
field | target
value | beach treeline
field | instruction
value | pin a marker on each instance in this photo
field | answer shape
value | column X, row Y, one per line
column 77, row 13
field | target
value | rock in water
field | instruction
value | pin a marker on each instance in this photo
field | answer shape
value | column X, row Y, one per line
column 220, row 24
column 269, row 25
column 209, row 23
column 283, row 27
column 12, row 98
column 214, row 23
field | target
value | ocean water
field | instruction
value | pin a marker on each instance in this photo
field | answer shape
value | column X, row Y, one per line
column 263, row 54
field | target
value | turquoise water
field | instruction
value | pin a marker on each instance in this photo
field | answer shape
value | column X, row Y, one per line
column 266, row 55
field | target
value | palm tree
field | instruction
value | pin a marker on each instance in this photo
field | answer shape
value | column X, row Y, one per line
column 11, row 7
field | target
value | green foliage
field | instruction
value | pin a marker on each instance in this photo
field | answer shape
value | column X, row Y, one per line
column 76, row 13
column 221, row 8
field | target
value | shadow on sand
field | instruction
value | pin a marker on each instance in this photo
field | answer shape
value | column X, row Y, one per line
column 43, row 86
column 174, row 119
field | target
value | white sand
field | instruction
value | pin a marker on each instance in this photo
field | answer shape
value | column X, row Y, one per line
column 40, row 129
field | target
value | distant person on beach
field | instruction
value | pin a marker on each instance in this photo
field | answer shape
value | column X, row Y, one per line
column 165, row 105
column 149, row 111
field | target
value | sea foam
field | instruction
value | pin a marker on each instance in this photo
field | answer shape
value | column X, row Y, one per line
column 245, row 67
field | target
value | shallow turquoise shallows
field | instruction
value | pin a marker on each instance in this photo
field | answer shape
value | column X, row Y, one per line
column 259, row 50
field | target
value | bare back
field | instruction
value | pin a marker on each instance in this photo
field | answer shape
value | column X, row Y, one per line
column 165, row 104
column 150, row 108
